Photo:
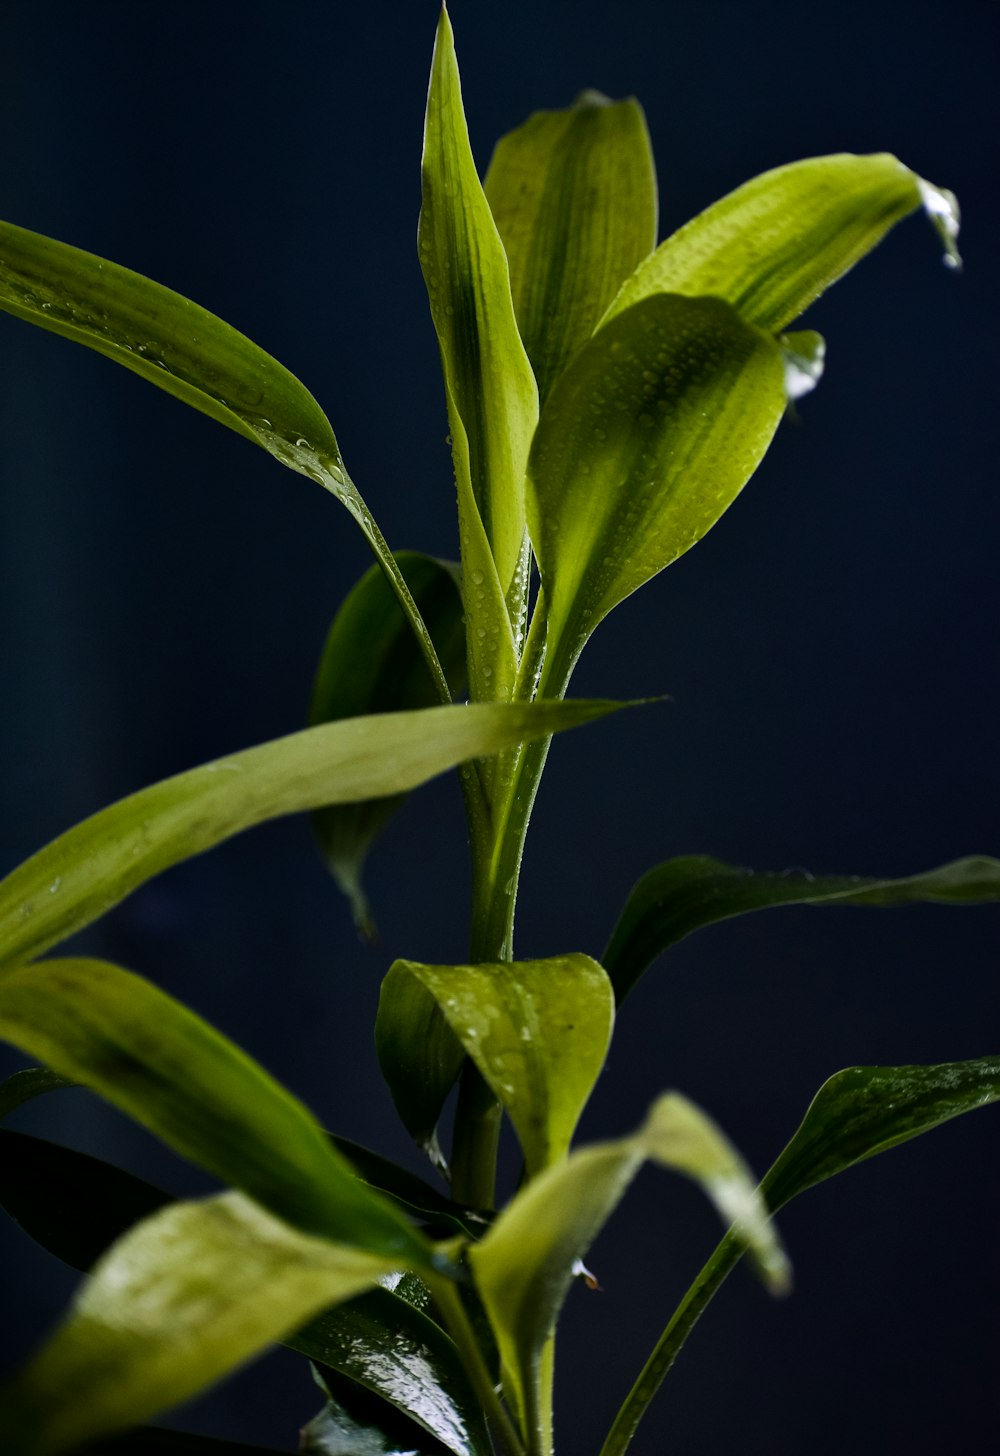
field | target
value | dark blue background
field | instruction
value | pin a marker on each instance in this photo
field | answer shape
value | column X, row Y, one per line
column 830, row 650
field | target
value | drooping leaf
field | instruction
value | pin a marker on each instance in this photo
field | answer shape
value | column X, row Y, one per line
column 188, row 1295
column 371, row 663
column 775, row 244
column 22, row 1086
column 573, row 194
column 167, row 339
column 74, row 1205
column 686, row 894
column 856, row 1114
column 524, row 1265
column 867, row 1110
column 644, row 442
column 166, row 1067
column 92, row 867
column 489, row 387
column 538, row 1031
column 382, row 1342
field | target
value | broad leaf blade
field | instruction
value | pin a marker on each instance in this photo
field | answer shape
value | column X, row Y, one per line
column 23, row 1086
column 686, row 894
column 644, row 442
column 524, row 1265
column 490, row 390
column 538, row 1031
column 867, row 1110
column 165, row 338
column 166, row 1067
column 385, row 1344
column 83, row 873
column 187, row 1296
column 74, row 1205
column 573, row 193
column 775, row 244
column 371, row 663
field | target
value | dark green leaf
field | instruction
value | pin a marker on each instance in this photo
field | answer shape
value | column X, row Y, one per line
column 172, row 1072
column 573, row 194
column 490, row 390
column 382, row 1342
column 644, row 442
column 23, row 1086
column 686, row 894
column 411, row 1193
column 772, row 246
column 74, row 1205
column 538, row 1031
column 92, row 867
column 379, row 1431
column 166, row 339
column 867, row 1110
column 525, row 1263
column 372, row 663
column 185, row 1297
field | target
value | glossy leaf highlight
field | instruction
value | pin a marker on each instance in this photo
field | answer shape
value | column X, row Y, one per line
column 686, row 894
column 775, row 244
column 644, row 442
column 538, row 1032
column 166, row 1067
column 190, row 1294
column 573, row 194
column 372, row 663
column 489, row 387
column 83, row 873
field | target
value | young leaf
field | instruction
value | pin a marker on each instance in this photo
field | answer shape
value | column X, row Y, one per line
column 686, row 894
column 383, row 1343
column 538, row 1031
column 166, row 1067
column 74, row 1205
column 188, row 1295
column 21, row 1087
column 524, row 1265
column 645, row 440
column 573, row 194
column 83, row 873
column 371, row 663
column 490, row 390
column 775, row 244
column 165, row 338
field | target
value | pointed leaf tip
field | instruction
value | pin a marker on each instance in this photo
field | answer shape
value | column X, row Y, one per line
column 941, row 206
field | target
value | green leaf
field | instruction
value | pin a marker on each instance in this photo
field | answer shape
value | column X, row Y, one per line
column 686, row 894
column 775, row 244
column 867, row 1110
column 573, row 193
column 337, row 1431
column 490, row 390
column 74, row 1205
column 411, row 1193
column 187, row 1296
column 166, row 339
column 371, row 663
column 83, row 873
column 21, row 1087
column 166, row 1067
column 645, row 440
column 385, row 1344
column 525, row 1263
column 538, row 1031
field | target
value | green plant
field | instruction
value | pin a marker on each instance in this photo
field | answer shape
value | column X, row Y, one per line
column 623, row 476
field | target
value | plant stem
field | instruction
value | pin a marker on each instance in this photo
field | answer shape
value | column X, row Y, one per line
column 461, row 1331
column 727, row 1255
column 475, row 1141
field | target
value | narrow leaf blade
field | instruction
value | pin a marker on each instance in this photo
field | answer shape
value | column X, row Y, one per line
column 187, row 1296
column 166, row 1067
column 775, row 244
column 573, row 194
column 23, row 1086
column 686, row 894
column 83, row 873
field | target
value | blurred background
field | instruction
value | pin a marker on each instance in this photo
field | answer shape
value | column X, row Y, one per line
column 829, row 650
